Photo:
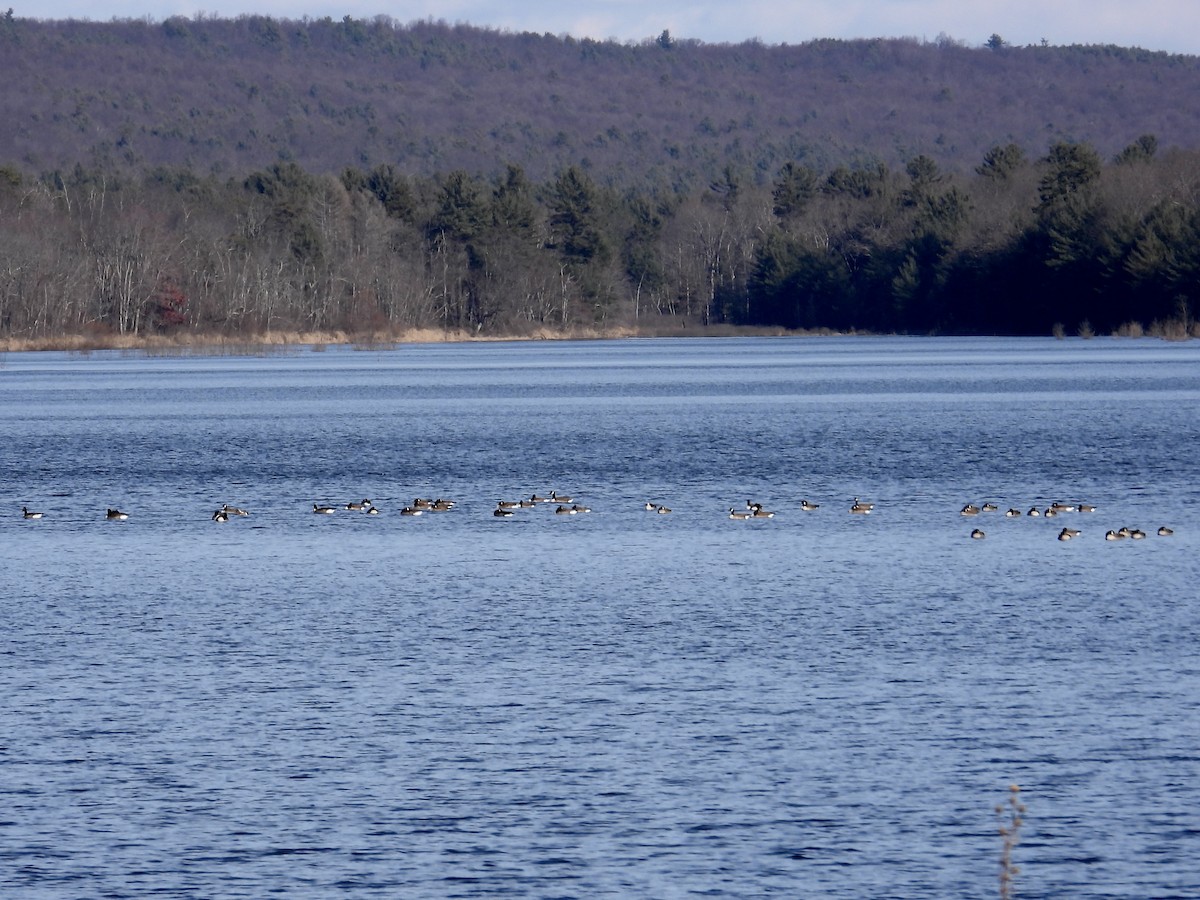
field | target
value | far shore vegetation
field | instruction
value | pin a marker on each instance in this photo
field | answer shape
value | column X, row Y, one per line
column 209, row 182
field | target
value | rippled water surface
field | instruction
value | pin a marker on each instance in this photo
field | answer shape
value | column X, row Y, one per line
column 615, row 703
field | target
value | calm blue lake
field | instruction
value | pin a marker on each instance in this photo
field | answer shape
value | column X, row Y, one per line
column 616, row 703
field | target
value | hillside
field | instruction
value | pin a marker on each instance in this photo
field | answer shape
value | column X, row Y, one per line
column 226, row 96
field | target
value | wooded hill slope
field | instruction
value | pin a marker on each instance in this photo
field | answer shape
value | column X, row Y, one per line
column 227, row 96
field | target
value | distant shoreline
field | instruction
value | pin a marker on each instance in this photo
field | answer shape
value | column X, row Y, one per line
column 263, row 343
column 221, row 344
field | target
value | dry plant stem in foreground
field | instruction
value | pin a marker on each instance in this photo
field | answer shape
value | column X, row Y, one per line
column 1009, row 813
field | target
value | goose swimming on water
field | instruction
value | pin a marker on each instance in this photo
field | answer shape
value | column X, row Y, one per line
column 30, row 514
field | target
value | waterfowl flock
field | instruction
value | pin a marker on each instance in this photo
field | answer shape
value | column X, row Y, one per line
column 1052, row 510
column 565, row 505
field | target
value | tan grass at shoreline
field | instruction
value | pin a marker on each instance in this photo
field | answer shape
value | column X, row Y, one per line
column 282, row 341
column 271, row 342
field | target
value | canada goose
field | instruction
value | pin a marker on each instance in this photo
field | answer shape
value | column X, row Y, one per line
column 1059, row 507
column 1034, row 511
column 760, row 513
column 536, row 499
column 809, row 507
column 1051, row 512
column 117, row 514
column 30, row 514
column 509, row 504
column 1067, row 533
column 526, row 504
column 1123, row 531
column 324, row 510
column 1012, row 514
column 501, row 512
column 566, row 510
column 1111, row 535
column 969, row 510
column 740, row 513
column 442, row 505
column 220, row 516
column 1086, row 507
column 422, row 503
column 411, row 511
column 559, row 498
column 662, row 510
column 1136, row 534
column 373, row 511
column 366, row 504
column 649, row 507
column 575, row 507
column 233, row 510
column 1164, row 531
column 977, row 535
column 989, row 507
column 861, row 508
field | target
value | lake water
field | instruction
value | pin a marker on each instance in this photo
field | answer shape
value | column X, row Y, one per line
column 616, row 703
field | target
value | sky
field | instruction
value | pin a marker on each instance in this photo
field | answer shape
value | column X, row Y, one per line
column 1170, row 25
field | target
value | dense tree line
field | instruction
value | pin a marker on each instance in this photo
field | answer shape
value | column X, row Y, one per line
column 1021, row 245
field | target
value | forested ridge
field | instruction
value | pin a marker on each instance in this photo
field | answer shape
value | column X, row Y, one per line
column 207, row 177
column 225, row 96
